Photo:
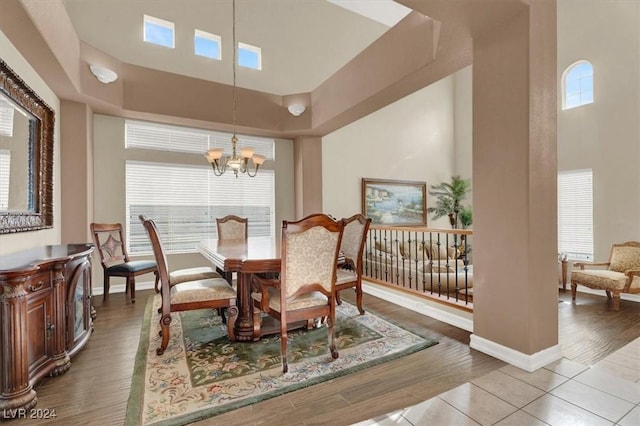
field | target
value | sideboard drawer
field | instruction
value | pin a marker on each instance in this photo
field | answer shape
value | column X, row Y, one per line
column 40, row 281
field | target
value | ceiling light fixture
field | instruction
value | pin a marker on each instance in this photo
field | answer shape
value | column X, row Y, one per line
column 296, row 109
column 237, row 163
column 104, row 75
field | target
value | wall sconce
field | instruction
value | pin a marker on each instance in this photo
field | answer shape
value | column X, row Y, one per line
column 296, row 109
column 104, row 75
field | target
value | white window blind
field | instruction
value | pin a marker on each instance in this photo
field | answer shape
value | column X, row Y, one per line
column 5, row 168
column 195, row 141
column 185, row 199
column 575, row 214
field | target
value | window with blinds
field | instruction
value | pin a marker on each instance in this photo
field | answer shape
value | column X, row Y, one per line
column 185, row 199
column 575, row 214
column 194, row 141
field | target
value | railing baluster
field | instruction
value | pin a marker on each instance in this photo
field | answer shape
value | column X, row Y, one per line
column 417, row 259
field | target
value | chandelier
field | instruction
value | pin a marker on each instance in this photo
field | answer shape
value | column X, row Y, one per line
column 237, row 163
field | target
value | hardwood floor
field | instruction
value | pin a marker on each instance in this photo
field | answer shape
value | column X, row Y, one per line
column 95, row 390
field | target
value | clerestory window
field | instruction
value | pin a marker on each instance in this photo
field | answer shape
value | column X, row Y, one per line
column 158, row 31
column 577, row 82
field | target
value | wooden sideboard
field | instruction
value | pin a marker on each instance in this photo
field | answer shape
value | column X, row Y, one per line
column 46, row 317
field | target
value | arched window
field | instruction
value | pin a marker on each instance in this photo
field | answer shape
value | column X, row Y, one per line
column 577, row 83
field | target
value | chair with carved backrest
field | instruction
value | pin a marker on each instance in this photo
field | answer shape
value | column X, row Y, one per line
column 231, row 227
column 349, row 273
column 112, row 249
column 621, row 274
column 305, row 289
column 206, row 293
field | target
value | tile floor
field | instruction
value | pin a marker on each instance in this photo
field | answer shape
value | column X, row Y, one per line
column 562, row 393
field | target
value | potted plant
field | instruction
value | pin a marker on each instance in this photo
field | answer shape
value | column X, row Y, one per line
column 449, row 197
column 466, row 217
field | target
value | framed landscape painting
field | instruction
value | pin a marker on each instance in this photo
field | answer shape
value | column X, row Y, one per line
column 395, row 202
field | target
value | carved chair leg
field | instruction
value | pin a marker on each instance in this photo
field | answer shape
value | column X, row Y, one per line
column 573, row 291
column 165, row 322
column 156, row 285
column 132, row 288
column 283, row 349
column 105, row 294
column 338, row 300
column 332, row 337
column 608, row 294
column 616, row 301
column 311, row 323
column 359, row 299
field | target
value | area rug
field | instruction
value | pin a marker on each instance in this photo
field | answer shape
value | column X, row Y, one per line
column 202, row 374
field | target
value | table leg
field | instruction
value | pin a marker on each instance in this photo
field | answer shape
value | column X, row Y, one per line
column 244, row 324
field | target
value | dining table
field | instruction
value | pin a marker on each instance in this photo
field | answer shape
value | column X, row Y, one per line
column 245, row 257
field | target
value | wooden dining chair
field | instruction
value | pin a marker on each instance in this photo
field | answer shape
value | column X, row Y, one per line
column 232, row 227
column 349, row 273
column 112, row 249
column 305, row 289
column 208, row 293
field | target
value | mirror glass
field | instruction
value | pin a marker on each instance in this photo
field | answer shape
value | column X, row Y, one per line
column 26, row 156
column 16, row 165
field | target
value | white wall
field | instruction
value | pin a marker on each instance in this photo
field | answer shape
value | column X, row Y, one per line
column 10, row 243
column 412, row 139
column 605, row 135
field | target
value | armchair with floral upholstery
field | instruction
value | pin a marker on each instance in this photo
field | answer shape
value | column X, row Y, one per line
column 621, row 274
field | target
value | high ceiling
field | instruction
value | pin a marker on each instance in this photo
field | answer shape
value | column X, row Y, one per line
column 303, row 42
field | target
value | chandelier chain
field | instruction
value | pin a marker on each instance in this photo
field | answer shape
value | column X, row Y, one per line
column 215, row 156
column 233, row 36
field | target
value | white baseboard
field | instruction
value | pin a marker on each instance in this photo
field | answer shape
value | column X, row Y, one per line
column 436, row 311
column 119, row 288
column 526, row 362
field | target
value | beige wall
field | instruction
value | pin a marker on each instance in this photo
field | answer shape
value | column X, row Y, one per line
column 411, row 139
column 10, row 243
column 463, row 123
column 514, row 175
column 110, row 186
column 76, row 164
column 605, row 135
column 308, row 173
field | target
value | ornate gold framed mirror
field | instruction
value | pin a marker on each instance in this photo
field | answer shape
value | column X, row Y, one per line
column 26, row 156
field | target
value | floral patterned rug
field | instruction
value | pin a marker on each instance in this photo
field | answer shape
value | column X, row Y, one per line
column 202, row 374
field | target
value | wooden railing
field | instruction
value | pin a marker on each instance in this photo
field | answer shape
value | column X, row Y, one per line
column 431, row 263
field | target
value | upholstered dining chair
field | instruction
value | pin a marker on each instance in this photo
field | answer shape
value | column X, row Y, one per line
column 208, row 293
column 112, row 249
column 305, row 289
column 620, row 274
column 232, row 227
column 349, row 273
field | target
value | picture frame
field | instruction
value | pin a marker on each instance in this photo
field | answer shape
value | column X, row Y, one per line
column 394, row 202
